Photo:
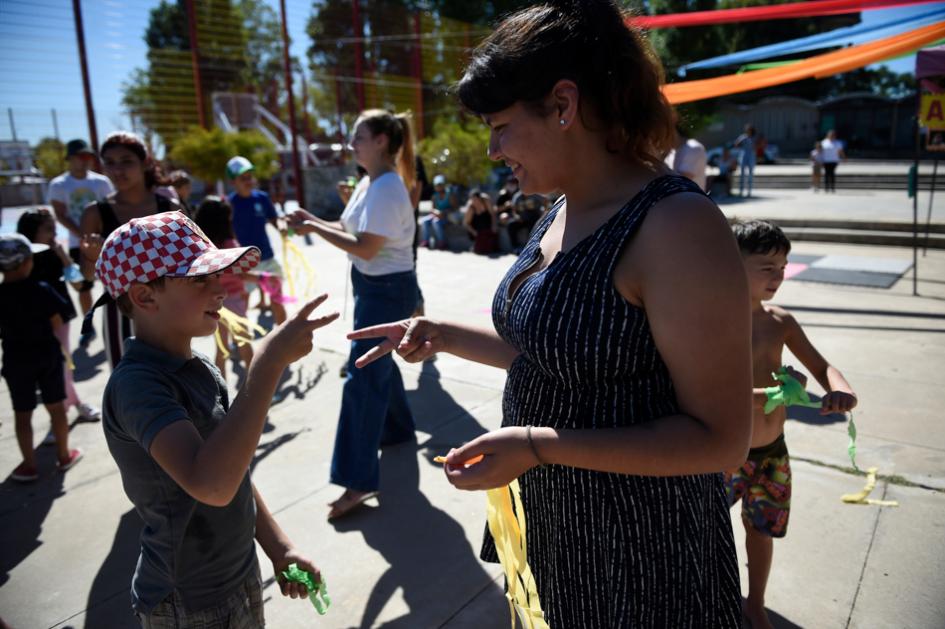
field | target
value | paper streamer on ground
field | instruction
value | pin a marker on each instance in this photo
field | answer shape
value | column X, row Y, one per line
column 317, row 591
column 508, row 531
column 862, row 496
column 819, row 66
column 767, row 12
column 241, row 330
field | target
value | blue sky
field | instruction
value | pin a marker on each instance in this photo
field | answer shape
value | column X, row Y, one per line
column 39, row 69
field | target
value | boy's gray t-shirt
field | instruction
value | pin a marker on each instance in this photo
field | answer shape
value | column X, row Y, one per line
column 202, row 552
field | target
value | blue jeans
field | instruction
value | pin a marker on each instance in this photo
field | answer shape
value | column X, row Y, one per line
column 433, row 230
column 748, row 173
column 374, row 409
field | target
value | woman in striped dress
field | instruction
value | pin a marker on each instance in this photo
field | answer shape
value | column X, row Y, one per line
column 624, row 327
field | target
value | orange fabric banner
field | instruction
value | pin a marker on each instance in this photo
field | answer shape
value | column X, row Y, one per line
column 819, row 66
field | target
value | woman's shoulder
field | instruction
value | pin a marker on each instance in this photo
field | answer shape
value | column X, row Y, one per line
column 389, row 186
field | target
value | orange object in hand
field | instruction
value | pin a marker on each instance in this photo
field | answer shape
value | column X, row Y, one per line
column 476, row 459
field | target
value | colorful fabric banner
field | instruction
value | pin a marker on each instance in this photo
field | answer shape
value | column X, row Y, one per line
column 846, row 36
column 767, row 12
column 819, row 66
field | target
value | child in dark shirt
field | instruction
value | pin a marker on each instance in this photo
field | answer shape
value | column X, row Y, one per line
column 32, row 356
column 49, row 266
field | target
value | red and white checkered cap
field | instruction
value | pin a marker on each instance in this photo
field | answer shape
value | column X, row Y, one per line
column 164, row 245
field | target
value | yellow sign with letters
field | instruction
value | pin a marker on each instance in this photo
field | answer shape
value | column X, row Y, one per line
column 932, row 111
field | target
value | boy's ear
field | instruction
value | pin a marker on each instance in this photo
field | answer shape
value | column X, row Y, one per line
column 142, row 297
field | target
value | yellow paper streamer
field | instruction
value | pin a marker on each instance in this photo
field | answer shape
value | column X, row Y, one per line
column 241, row 329
column 508, row 532
column 291, row 251
column 862, row 496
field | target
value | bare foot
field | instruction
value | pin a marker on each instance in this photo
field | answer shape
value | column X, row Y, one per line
column 756, row 615
column 349, row 501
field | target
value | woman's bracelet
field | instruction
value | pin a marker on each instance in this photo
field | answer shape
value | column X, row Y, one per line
column 531, row 444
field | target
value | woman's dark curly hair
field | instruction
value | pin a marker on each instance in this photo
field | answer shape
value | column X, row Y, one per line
column 153, row 175
column 590, row 43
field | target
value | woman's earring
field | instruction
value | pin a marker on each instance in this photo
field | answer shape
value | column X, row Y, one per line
column 562, row 121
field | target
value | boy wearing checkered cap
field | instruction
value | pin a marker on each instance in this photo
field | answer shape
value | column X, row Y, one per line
column 32, row 356
column 183, row 451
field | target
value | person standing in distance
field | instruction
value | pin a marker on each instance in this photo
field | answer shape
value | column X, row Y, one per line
column 68, row 195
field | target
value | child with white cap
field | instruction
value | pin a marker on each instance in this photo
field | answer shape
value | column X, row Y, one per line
column 32, row 356
column 182, row 450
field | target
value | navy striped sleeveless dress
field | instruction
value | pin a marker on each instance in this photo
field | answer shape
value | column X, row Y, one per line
column 608, row 550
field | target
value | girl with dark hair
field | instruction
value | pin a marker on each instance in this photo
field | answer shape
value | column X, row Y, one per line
column 215, row 217
column 377, row 231
column 624, row 327
column 135, row 176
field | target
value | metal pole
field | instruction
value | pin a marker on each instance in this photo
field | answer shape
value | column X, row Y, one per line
column 296, row 164
column 83, row 64
column 195, row 61
column 12, row 124
column 915, row 211
column 928, row 216
column 55, row 124
column 358, row 53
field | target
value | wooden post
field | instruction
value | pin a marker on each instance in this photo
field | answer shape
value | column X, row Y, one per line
column 418, row 74
column 195, row 61
column 358, row 53
column 84, row 66
column 293, row 128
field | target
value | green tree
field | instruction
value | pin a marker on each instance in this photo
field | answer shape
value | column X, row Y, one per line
column 458, row 151
column 205, row 152
column 50, row 157
column 881, row 81
column 239, row 45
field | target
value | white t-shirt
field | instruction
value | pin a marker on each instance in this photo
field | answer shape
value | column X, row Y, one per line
column 689, row 158
column 831, row 150
column 382, row 207
column 75, row 194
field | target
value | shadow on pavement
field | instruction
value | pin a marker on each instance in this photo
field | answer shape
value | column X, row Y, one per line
column 777, row 620
column 437, row 413
column 86, row 366
column 109, row 602
column 297, row 388
column 812, row 416
column 25, row 507
column 263, row 450
column 418, row 564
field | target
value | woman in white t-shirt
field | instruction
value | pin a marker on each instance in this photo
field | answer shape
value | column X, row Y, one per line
column 377, row 231
column 831, row 154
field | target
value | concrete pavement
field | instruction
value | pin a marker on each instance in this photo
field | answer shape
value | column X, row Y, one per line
column 68, row 543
